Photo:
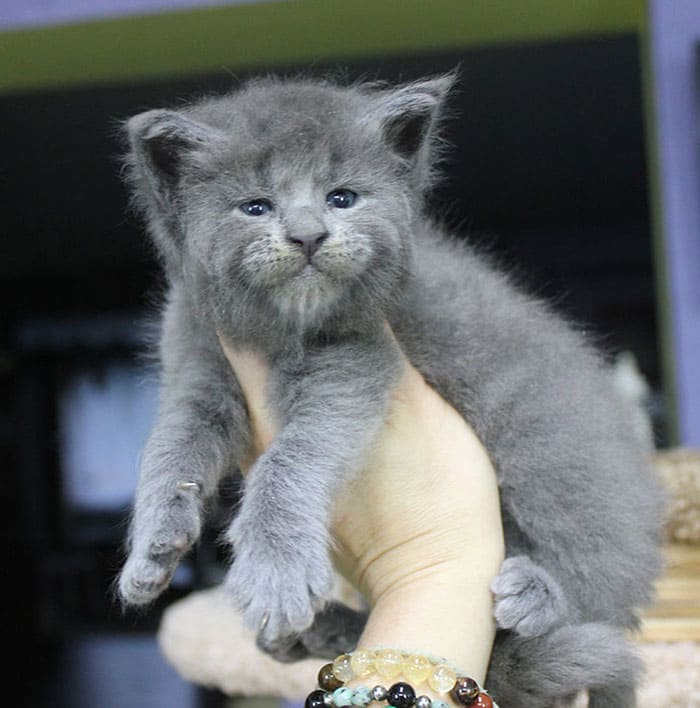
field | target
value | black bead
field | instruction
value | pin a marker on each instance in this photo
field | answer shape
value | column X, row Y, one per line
column 315, row 699
column 401, row 695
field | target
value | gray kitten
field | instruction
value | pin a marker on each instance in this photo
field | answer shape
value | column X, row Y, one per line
column 289, row 217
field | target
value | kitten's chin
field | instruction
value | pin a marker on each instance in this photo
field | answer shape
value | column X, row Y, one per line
column 308, row 297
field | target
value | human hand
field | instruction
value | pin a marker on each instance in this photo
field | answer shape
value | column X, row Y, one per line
column 418, row 531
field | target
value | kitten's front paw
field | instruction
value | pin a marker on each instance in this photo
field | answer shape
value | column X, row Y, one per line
column 279, row 587
column 160, row 538
column 526, row 598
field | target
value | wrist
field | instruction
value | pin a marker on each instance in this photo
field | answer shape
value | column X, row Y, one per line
column 418, row 617
column 445, row 611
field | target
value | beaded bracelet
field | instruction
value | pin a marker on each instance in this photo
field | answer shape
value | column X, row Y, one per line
column 389, row 663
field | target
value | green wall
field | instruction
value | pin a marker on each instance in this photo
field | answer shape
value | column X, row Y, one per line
column 293, row 32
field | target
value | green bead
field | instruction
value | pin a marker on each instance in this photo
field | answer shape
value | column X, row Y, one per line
column 342, row 697
column 439, row 704
column 361, row 696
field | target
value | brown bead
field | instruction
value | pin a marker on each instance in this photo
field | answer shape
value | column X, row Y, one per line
column 483, row 700
column 327, row 679
column 465, row 691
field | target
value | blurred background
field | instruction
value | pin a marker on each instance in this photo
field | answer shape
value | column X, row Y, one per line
column 575, row 160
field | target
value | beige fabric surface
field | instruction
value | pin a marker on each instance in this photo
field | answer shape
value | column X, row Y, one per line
column 679, row 470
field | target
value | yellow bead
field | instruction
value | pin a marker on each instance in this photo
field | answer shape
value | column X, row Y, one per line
column 388, row 663
column 362, row 662
column 442, row 678
column 416, row 668
column 342, row 668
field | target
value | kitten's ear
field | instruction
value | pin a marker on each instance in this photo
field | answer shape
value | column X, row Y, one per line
column 407, row 114
column 164, row 144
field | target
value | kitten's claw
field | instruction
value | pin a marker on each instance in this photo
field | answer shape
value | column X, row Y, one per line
column 189, row 486
column 527, row 599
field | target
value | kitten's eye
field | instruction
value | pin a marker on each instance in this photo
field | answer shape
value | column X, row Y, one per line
column 256, row 207
column 341, row 198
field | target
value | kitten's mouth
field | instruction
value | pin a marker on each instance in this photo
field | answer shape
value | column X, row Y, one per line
column 309, row 270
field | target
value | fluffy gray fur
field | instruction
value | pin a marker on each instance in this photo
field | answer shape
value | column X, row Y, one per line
column 581, row 508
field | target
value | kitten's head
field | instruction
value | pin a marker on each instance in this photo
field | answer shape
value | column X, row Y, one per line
column 288, row 201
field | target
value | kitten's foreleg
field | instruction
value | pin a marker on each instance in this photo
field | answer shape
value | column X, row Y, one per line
column 201, row 426
column 332, row 407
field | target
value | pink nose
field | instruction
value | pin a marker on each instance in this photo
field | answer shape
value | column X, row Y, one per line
column 309, row 243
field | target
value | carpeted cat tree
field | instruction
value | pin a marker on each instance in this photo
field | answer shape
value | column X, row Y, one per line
column 203, row 638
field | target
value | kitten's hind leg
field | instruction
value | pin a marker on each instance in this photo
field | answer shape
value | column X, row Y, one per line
column 620, row 696
column 527, row 599
column 335, row 630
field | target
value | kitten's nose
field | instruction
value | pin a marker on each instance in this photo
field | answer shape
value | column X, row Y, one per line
column 309, row 243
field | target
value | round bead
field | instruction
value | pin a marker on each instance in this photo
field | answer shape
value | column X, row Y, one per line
column 361, row 696
column 342, row 669
column 378, row 693
column 387, row 663
column 416, row 668
column 327, row 680
column 440, row 704
column 401, row 695
column 483, row 700
column 362, row 662
column 423, row 702
column 315, row 699
column 465, row 691
column 342, row 696
column 442, row 678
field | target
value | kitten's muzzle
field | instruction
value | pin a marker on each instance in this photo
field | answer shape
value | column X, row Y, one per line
column 309, row 243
